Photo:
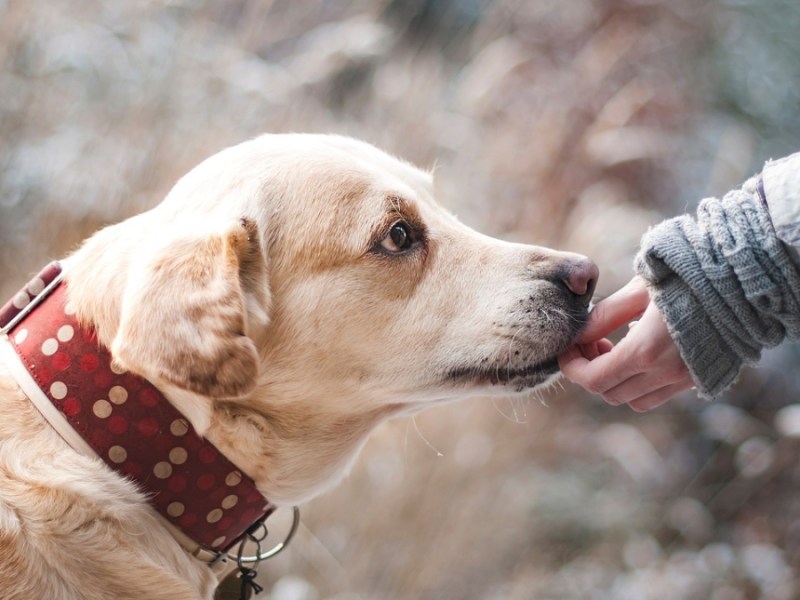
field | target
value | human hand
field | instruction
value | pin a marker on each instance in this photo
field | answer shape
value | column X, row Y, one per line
column 644, row 369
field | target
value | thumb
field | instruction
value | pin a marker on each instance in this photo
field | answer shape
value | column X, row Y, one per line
column 621, row 307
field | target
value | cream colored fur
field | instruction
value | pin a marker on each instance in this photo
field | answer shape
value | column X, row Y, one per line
column 263, row 298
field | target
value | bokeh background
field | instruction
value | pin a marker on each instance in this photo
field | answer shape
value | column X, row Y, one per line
column 572, row 124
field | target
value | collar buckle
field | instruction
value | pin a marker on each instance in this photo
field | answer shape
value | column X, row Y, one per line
column 260, row 528
column 247, row 566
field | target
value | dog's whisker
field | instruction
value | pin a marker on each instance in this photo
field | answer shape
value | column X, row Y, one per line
column 423, row 438
column 503, row 414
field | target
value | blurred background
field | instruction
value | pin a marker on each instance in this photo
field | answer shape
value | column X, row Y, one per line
column 571, row 124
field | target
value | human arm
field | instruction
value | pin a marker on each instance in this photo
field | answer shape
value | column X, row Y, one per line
column 725, row 284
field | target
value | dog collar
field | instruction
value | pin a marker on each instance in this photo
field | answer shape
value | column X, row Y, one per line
column 124, row 420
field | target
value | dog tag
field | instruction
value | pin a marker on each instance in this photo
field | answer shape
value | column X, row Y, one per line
column 230, row 588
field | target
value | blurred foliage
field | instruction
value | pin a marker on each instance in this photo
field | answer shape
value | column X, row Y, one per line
column 753, row 63
column 574, row 124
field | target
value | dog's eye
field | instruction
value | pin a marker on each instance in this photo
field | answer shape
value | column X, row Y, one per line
column 399, row 238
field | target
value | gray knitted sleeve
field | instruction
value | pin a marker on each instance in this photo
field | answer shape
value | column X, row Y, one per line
column 724, row 284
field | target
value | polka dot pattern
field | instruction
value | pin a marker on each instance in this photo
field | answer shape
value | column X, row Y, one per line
column 21, row 300
column 133, row 428
column 58, row 390
column 118, row 394
column 162, row 470
column 233, row 478
column 49, row 347
column 65, row 333
column 175, row 509
column 214, row 516
column 117, row 454
column 102, row 409
column 179, row 427
column 33, row 288
column 178, row 455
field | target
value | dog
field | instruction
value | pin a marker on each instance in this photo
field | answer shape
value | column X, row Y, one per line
column 288, row 295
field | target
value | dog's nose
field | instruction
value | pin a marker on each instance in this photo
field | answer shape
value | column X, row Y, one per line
column 580, row 277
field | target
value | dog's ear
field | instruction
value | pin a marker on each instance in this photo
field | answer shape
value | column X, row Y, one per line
column 191, row 313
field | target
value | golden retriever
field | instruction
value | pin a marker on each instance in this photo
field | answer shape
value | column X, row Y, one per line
column 288, row 295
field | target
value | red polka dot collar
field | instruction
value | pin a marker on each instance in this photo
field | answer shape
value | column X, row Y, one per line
column 126, row 421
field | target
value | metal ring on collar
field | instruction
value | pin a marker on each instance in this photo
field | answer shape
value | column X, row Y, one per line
column 274, row 551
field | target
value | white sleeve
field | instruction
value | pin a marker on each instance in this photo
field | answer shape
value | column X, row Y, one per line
column 781, row 187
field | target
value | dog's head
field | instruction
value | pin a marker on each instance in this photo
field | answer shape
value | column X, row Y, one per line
column 310, row 286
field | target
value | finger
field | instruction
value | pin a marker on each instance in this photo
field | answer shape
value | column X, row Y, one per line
column 622, row 306
column 604, row 372
column 605, row 346
column 659, row 397
column 642, row 384
column 588, row 351
column 595, row 349
column 569, row 355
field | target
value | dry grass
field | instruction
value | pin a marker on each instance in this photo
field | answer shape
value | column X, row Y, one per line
column 568, row 124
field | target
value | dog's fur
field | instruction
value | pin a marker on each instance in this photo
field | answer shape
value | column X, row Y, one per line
column 265, row 298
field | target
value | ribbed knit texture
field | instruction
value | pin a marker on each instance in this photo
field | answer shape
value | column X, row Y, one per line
column 724, row 284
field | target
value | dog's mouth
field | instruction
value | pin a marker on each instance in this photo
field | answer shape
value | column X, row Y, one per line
column 525, row 369
column 518, row 377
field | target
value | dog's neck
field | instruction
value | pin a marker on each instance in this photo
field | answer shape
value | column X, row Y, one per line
column 292, row 451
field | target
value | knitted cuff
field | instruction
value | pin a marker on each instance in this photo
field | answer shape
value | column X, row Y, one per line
column 724, row 284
